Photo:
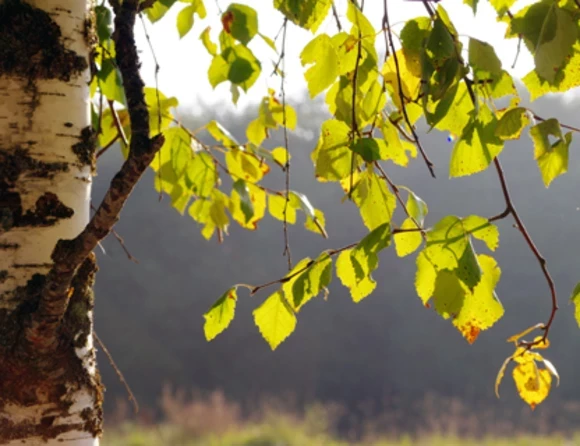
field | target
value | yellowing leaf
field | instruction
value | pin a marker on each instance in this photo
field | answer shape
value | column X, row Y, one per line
column 565, row 79
column 477, row 147
column 276, row 204
column 533, row 384
column 332, row 155
column 281, row 155
column 201, row 174
column 308, row 14
column 410, row 73
column 501, row 374
column 552, row 158
column 313, row 276
column 482, row 229
column 407, row 242
column 210, row 46
column 396, row 149
column 275, row 319
column 376, row 203
column 316, row 223
column 220, row 315
column 359, row 289
column 481, row 308
column 446, row 242
column 185, row 16
column 242, row 22
column 575, row 299
column 483, row 59
column 425, row 277
column 512, row 123
column 321, row 53
column 245, row 166
column 257, row 197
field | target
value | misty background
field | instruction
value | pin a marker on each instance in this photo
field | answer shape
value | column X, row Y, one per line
column 384, row 354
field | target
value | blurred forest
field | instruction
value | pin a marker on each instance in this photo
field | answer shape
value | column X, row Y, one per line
column 384, row 354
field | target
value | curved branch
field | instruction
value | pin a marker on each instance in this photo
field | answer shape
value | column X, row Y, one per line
column 40, row 335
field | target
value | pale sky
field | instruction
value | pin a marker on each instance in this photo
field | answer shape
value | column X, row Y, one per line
column 184, row 62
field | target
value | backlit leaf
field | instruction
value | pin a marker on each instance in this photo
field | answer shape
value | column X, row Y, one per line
column 477, row 147
column 575, row 299
column 319, row 52
column 275, row 319
column 482, row 229
column 376, row 203
column 220, row 315
column 407, row 242
column 243, row 22
column 512, row 123
column 552, row 158
column 345, row 271
column 533, row 384
column 308, row 14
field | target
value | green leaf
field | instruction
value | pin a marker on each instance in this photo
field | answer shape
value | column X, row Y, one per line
column 202, row 174
column 440, row 45
column 371, row 149
column 110, row 81
column 477, row 147
column 243, row 22
column 308, row 14
column 416, row 207
column 218, row 71
column 414, row 33
column 482, row 58
column 321, row 53
column 220, row 315
column 482, row 229
column 345, row 271
column 407, row 242
column 502, row 6
column 210, row 46
column 104, row 25
column 472, row 312
column 468, row 269
column 376, row 203
column 364, row 256
column 552, row 158
column 246, row 205
column 275, row 319
column 307, row 284
column 473, row 4
column 243, row 67
column 512, row 123
column 566, row 79
column 360, row 22
column 159, row 8
column 559, row 32
column 575, row 299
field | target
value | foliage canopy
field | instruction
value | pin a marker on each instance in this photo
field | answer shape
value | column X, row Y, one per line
column 378, row 84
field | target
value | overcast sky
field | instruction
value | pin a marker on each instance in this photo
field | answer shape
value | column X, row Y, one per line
column 184, row 62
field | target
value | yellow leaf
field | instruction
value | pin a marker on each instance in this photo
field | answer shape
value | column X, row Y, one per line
column 533, row 384
column 425, row 277
column 500, row 375
column 276, row 204
column 275, row 319
column 359, row 289
column 516, row 337
column 407, row 242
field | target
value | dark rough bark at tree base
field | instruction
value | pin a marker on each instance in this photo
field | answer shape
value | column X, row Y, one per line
column 29, row 380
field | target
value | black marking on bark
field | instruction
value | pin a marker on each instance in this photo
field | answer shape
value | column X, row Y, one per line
column 3, row 275
column 16, row 161
column 48, row 209
column 27, row 379
column 85, row 148
column 7, row 246
column 31, row 45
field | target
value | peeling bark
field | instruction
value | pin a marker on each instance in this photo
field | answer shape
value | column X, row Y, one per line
column 46, row 163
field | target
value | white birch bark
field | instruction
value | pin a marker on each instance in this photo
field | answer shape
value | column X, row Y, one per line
column 45, row 122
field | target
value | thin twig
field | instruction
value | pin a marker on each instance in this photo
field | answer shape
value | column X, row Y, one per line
column 119, row 239
column 400, row 88
column 330, row 252
column 397, row 193
column 511, row 210
column 117, row 122
column 104, row 149
column 130, row 394
column 517, row 51
column 336, row 18
column 354, row 125
column 286, row 251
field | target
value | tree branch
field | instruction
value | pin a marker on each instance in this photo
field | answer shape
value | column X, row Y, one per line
column 40, row 336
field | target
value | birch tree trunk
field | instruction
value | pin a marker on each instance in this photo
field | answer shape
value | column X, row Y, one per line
column 46, row 164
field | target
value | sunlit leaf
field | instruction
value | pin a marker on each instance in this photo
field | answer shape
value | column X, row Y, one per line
column 533, row 384
column 276, row 205
column 345, row 271
column 221, row 314
column 552, row 158
column 575, row 299
column 375, row 201
column 308, row 14
column 319, row 52
column 275, row 319
column 477, row 146
column 242, row 22
column 209, row 45
column 482, row 229
column 512, row 123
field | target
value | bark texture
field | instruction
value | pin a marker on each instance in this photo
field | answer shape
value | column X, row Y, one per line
column 46, row 163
